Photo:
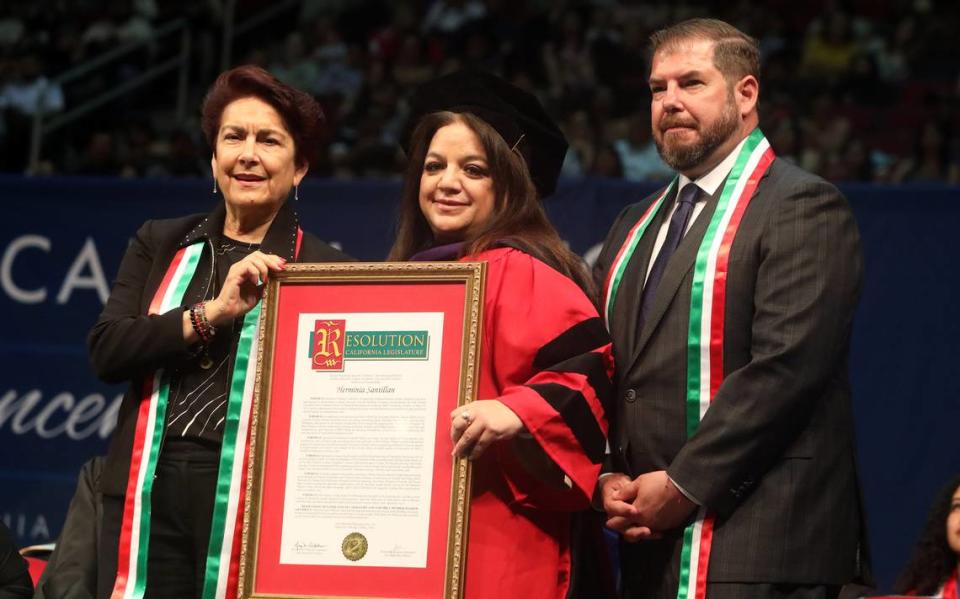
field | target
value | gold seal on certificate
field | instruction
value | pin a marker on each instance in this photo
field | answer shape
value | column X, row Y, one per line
column 354, row 546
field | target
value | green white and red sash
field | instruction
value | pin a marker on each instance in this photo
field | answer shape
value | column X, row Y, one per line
column 612, row 284
column 135, row 526
column 705, row 335
column 223, row 553
column 949, row 588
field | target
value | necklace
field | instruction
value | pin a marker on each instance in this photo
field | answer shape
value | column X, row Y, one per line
column 230, row 245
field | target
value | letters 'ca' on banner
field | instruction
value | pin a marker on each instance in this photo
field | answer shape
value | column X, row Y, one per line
column 352, row 489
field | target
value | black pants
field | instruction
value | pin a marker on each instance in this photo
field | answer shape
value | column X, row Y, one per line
column 181, row 512
column 730, row 590
column 734, row 590
column 649, row 571
column 744, row 590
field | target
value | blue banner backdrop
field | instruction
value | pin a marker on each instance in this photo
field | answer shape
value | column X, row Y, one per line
column 62, row 244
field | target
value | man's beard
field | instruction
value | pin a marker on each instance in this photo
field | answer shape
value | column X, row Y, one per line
column 681, row 157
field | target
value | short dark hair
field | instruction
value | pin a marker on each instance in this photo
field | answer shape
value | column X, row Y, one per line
column 735, row 54
column 518, row 218
column 301, row 114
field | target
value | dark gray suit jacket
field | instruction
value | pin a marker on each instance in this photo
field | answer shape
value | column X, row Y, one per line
column 774, row 455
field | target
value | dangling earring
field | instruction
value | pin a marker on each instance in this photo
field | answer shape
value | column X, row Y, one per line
column 214, row 185
column 296, row 193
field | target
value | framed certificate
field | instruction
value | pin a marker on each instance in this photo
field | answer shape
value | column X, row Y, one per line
column 352, row 488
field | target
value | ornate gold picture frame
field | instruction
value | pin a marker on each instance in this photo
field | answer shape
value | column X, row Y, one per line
column 348, row 351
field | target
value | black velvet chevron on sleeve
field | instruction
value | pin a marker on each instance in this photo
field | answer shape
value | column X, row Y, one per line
column 591, row 366
column 583, row 337
column 572, row 407
column 574, row 351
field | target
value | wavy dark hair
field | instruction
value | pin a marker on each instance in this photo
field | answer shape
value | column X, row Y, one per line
column 518, row 218
column 933, row 560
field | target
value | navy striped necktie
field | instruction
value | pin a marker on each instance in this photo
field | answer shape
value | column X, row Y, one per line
column 686, row 200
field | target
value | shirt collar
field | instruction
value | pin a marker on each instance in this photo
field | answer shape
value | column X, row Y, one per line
column 711, row 181
column 280, row 239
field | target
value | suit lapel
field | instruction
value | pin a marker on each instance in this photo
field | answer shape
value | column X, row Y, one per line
column 627, row 306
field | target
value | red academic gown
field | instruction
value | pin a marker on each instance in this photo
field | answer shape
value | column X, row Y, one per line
column 547, row 356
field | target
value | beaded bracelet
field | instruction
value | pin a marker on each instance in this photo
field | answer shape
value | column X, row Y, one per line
column 202, row 313
column 195, row 323
column 198, row 319
column 211, row 330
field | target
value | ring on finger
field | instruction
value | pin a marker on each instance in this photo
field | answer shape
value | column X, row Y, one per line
column 467, row 417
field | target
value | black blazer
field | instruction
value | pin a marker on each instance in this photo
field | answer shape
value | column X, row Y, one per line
column 127, row 345
column 774, row 455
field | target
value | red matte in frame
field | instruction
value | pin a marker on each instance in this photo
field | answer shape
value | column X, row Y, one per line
column 358, row 581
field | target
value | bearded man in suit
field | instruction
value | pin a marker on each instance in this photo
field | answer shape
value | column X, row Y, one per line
column 730, row 297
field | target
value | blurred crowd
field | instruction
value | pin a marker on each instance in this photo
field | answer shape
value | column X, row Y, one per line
column 855, row 91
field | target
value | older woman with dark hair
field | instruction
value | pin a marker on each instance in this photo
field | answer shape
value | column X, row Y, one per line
column 180, row 326
column 481, row 155
column 932, row 571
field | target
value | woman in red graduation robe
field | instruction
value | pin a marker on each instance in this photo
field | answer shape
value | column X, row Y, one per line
column 481, row 155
